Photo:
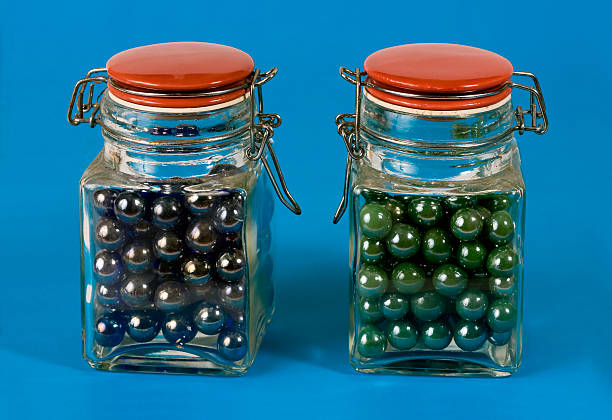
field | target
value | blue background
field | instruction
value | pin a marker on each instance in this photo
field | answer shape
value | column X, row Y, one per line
column 302, row 369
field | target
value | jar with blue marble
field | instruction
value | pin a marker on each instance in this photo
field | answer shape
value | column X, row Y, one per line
column 436, row 203
column 176, row 210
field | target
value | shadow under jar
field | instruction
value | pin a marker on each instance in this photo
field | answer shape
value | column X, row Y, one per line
column 436, row 202
column 176, row 211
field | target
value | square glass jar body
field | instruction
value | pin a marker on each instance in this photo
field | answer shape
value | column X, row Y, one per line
column 176, row 253
column 436, row 242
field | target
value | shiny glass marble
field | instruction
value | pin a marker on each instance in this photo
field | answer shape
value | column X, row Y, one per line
column 425, row 212
column 470, row 336
column 449, row 280
column 137, row 256
column 402, row 335
column 427, row 306
column 371, row 281
column 230, row 265
column 396, row 209
column 500, row 227
column 472, row 305
column 137, row 290
column 501, row 316
column 168, row 246
column 209, row 318
column 403, row 241
column 109, row 234
column 408, row 278
column 107, row 267
column 502, row 287
column 370, row 310
column 436, row 335
column 456, row 202
column 109, row 330
column 104, row 200
column 371, row 342
column 372, row 250
column 171, row 296
column 394, row 306
column 178, row 328
column 232, row 344
column 501, row 261
column 201, row 204
column 471, row 255
column 376, row 221
column 436, row 245
column 143, row 326
column 196, row 270
column 201, row 236
column 166, row 212
column 108, row 296
column 500, row 338
column 229, row 216
column 466, row 224
column 129, row 207
column 233, row 296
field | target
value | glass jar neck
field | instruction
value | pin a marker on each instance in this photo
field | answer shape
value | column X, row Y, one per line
column 166, row 143
column 437, row 145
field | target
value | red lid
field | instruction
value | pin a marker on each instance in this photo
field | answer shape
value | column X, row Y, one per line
column 179, row 67
column 438, row 69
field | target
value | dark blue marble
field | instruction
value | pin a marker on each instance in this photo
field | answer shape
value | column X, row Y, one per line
column 230, row 265
column 200, row 236
column 129, row 207
column 171, row 296
column 109, row 330
column 178, row 328
column 232, row 344
column 137, row 256
column 107, row 267
column 209, row 318
column 166, row 212
column 103, row 201
column 168, row 246
column 143, row 326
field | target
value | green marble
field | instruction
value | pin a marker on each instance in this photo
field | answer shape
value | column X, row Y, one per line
column 371, row 281
column 502, row 260
column 500, row 338
column 501, row 316
column 402, row 335
column 408, row 278
column 370, row 310
column 427, row 306
column 396, row 208
column 472, row 305
column 484, row 213
column 470, row 336
column 371, row 250
column 374, row 196
column 394, row 306
column 375, row 221
column 456, row 202
column 436, row 335
column 466, row 224
column 471, row 255
column 498, row 202
column 436, row 245
column 425, row 211
column 371, row 342
column 449, row 280
column 500, row 227
column 502, row 287
column 403, row 241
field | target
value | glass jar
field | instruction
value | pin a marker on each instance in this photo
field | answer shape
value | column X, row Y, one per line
column 436, row 202
column 176, row 266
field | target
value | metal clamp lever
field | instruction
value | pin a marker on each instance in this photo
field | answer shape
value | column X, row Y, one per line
column 262, row 130
column 77, row 96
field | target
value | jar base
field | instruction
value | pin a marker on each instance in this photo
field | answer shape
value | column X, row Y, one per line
column 128, row 363
column 435, row 367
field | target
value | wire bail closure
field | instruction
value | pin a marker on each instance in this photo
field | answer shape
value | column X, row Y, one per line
column 348, row 125
column 262, row 125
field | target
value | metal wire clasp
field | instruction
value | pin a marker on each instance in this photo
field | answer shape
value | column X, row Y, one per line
column 348, row 124
column 89, row 81
column 262, row 130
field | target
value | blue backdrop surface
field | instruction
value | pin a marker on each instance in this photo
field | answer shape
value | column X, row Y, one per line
column 302, row 369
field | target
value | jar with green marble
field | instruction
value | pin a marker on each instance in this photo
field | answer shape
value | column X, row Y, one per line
column 436, row 202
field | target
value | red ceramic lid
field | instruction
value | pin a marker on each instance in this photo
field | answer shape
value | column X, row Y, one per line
column 438, row 69
column 179, row 67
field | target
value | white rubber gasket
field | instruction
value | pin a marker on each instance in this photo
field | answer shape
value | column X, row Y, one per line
column 161, row 110
column 461, row 113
